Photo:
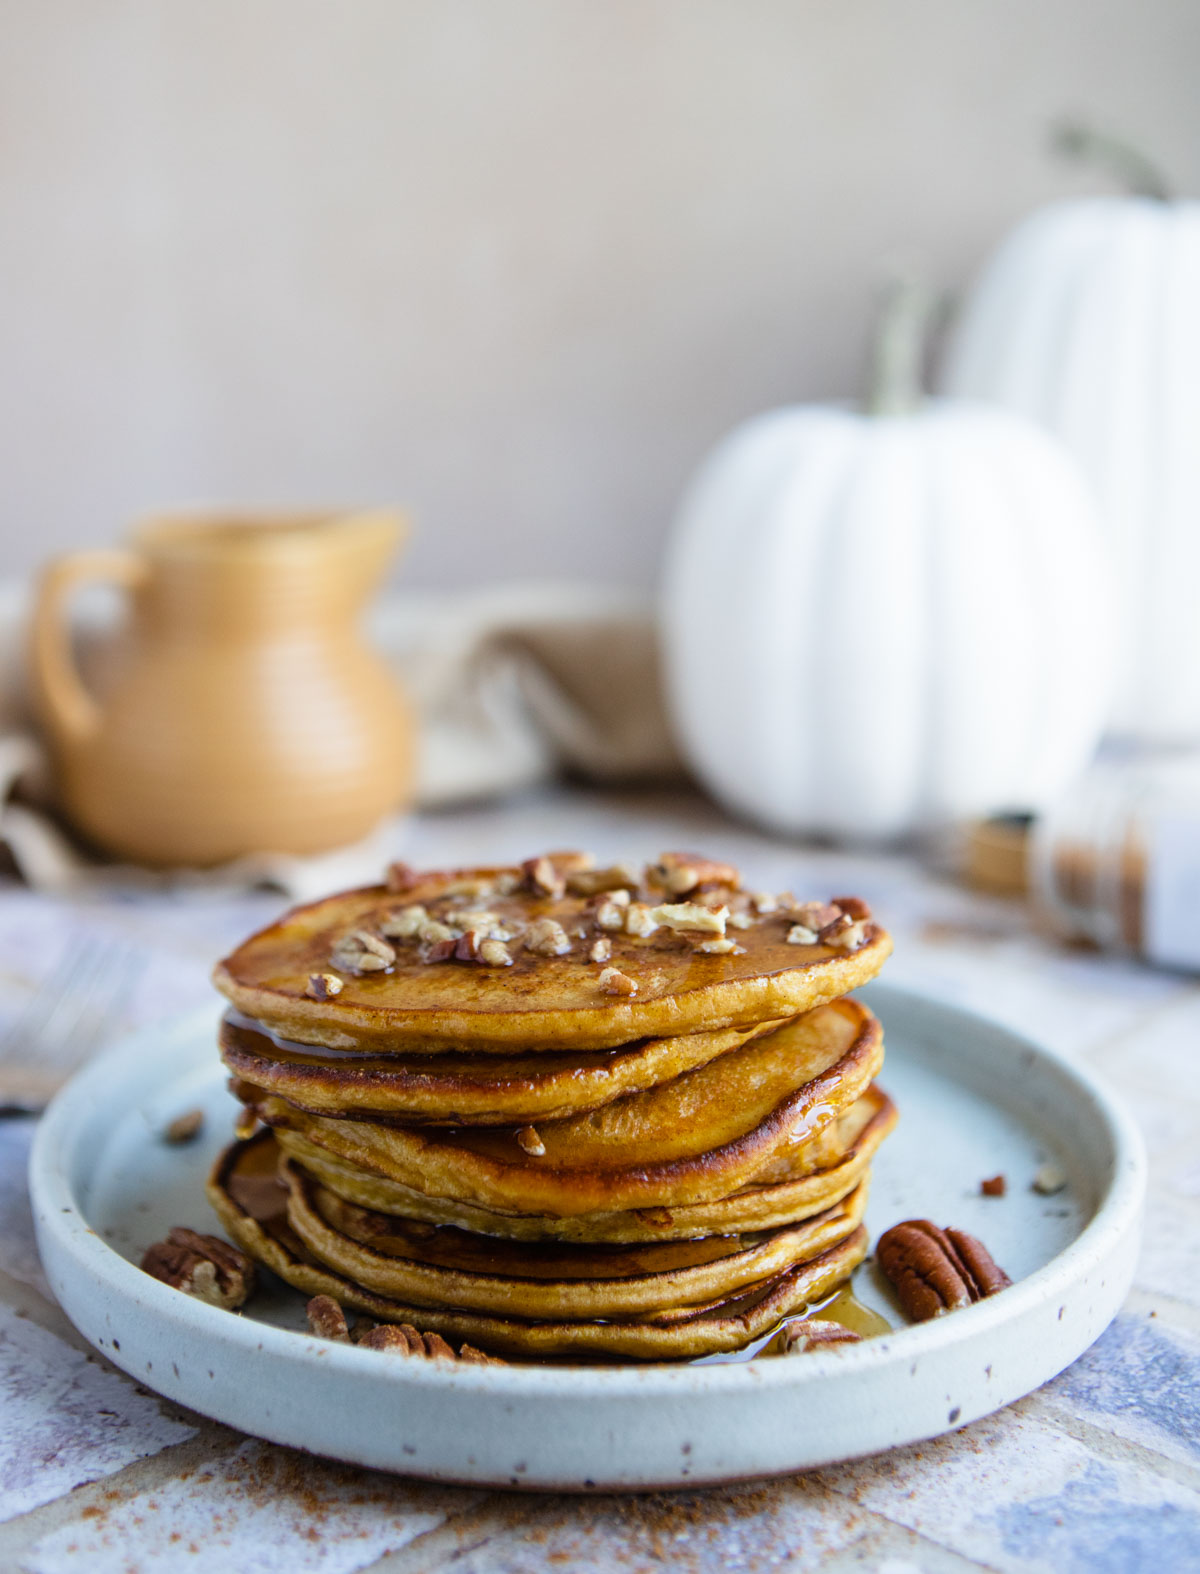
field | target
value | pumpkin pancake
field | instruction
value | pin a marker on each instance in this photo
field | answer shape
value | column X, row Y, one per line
column 697, row 1138
column 442, row 1266
column 253, row 1209
column 459, row 1087
column 424, row 969
column 818, row 1175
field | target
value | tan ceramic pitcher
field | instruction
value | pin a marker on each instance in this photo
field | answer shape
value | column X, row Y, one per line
column 240, row 710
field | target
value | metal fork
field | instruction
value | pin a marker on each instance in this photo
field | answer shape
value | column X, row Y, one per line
column 73, row 1010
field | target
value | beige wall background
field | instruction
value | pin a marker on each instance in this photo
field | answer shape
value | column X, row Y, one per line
column 517, row 263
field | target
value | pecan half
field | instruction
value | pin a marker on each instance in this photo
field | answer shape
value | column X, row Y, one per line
column 203, row 1266
column 935, row 1271
column 404, row 1337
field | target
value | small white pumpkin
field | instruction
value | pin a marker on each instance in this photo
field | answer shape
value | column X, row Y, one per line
column 1087, row 320
column 875, row 623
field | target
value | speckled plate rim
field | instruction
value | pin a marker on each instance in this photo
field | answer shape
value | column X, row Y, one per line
column 599, row 1428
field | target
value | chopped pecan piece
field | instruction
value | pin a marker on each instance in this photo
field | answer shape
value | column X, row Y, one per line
column 592, row 882
column 690, row 915
column 610, row 914
column 843, row 932
column 494, row 953
column 488, row 924
column 184, row 1128
column 678, row 874
column 813, row 915
column 326, row 1319
column 817, row 1334
column 360, row 951
column 547, row 937
column 203, row 1266
column 1048, row 1180
column 640, row 920
column 614, row 982
column 405, row 923
column 996, row 1186
column 855, row 907
column 601, row 951
column 474, row 946
column 323, row 986
column 402, row 877
column 542, row 878
column 529, row 1142
column 801, row 934
column 935, row 1271
column 572, row 861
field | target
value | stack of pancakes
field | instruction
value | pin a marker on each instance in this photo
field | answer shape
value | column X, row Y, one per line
column 558, row 1110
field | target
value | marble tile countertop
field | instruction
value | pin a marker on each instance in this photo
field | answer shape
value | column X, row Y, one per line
column 1099, row 1471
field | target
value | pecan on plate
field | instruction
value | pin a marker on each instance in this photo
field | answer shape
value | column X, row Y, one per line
column 935, row 1271
column 405, row 1338
column 184, row 1128
column 203, row 1266
column 327, row 1320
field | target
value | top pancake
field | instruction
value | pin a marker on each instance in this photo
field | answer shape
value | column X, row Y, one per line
column 399, row 992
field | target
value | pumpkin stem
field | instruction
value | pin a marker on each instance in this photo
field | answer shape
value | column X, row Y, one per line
column 894, row 380
column 1129, row 165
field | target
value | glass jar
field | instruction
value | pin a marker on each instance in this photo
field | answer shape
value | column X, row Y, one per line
column 1117, row 860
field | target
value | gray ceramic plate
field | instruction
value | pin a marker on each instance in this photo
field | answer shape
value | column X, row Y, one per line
column 975, row 1100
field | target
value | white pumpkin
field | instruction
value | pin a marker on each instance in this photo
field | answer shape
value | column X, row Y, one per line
column 1087, row 320
column 878, row 623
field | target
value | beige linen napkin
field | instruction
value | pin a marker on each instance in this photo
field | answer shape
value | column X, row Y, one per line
column 512, row 685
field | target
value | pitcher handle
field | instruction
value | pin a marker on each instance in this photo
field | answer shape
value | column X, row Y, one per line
column 69, row 712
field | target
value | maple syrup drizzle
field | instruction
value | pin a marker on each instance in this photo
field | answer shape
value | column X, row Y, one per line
column 842, row 1307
